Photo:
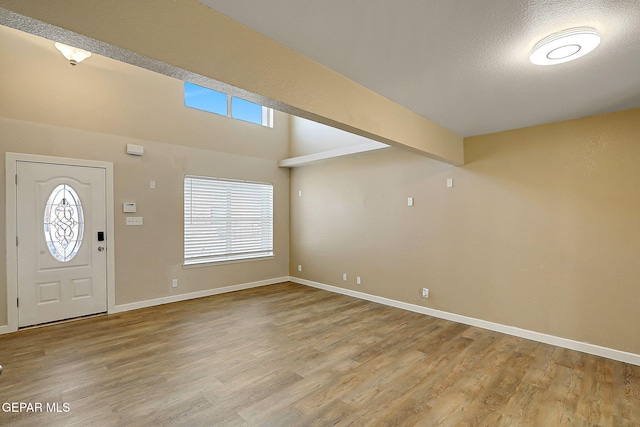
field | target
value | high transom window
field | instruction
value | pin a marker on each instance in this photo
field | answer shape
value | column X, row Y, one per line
column 227, row 220
column 212, row 101
column 63, row 223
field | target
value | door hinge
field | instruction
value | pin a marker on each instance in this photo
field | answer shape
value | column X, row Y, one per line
column 16, row 179
column 16, row 240
column 18, row 302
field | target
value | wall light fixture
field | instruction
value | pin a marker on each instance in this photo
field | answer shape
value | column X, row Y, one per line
column 73, row 54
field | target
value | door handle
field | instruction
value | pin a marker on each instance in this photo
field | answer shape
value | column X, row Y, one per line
column 100, row 248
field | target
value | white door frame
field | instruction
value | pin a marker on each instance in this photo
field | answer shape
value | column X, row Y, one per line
column 11, row 228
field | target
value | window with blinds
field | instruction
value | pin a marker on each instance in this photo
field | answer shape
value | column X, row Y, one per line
column 226, row 220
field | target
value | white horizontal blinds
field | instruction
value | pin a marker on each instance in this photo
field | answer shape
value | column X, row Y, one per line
column 226, row 220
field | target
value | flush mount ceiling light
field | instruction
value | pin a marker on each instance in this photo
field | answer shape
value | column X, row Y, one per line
column 73, row 54
column 565, row 46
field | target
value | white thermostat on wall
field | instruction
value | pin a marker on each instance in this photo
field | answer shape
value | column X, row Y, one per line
column 129, row 207
column 135, row 150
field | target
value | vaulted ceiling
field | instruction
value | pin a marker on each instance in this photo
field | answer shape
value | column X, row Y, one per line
column 463, row 64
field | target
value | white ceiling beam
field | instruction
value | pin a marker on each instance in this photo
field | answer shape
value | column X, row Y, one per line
column 330, row 154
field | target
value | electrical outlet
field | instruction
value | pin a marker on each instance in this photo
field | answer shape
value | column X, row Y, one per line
column 358, row 281
column 174, row 283
column 299, row 267
column 425, row 293
column 344, row 277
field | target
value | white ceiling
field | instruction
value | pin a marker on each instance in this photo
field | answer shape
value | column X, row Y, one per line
column 463, row 63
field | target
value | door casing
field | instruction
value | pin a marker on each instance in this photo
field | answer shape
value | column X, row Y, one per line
column 11, row 229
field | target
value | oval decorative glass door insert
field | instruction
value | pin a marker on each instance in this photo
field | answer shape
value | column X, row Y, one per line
column 63, row 223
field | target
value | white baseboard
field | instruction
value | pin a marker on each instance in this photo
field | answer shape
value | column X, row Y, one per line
column 609, row 353
column 183, row 297
column 621, row 356
column 6, row 329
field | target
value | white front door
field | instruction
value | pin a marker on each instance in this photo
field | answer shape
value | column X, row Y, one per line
column 61, row 238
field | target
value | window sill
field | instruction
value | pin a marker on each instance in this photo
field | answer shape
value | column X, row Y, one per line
column 233, row 261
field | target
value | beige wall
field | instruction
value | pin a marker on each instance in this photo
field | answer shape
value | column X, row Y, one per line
column 92, row 111
column 541, row 230
column 104, row 95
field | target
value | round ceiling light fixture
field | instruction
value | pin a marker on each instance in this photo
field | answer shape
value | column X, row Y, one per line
column 565, row 46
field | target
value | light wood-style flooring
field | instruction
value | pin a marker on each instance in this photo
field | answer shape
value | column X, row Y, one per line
column 290, row 355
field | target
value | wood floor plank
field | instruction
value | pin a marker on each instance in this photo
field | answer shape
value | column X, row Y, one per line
column 595, row 403
column 488, row 408
column 290, row 355
column 627, row 385
column 522, row 409
column 560, row 399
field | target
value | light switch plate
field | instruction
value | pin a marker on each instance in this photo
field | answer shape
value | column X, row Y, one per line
column 134, row 220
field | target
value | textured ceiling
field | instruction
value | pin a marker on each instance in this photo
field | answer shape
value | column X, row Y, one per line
column 463, row 63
